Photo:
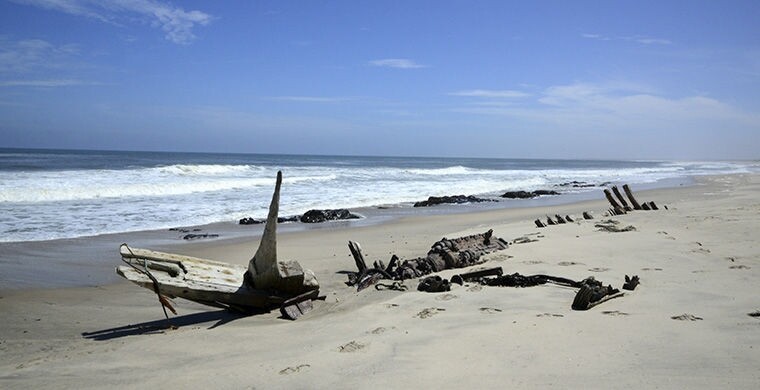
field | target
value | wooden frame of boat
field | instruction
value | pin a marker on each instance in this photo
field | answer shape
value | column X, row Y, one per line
column 266, row 282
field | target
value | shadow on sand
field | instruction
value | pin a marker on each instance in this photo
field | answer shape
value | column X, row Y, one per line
column 158, row 326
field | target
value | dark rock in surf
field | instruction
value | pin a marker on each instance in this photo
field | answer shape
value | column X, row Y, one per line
column 250, row 221
column 527, row 195
column 318, row 216
column 518, row 195
column 454, row 199
column 193, row 236
column 545, row 192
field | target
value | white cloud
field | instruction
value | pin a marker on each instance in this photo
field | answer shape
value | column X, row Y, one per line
column 399, row 63
column 309, row 99
column 644, row 40
column 32, row 54
column 52, row 83
column 652, row 41
column 176, row 23
column 491, row 93
column 611, row 106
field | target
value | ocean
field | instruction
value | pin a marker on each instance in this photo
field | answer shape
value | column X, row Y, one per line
column 54, row 194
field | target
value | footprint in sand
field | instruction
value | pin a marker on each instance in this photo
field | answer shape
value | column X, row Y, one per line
column 568, row 263
column 445, row 297
column 549, row 315
column 701, row 249
column 651, row 269
column 390, row 305
column 381, row 330
column 429, row 312
column 755, row 314
column 523, row 240
column 669, row 237
column 738, row 267
column 614, row 313
column 499, row 257
column 687, row 317
column 475, row 288
column 293, row 370
column 598, row 269
column 490, row 310
column 352, row 346
column 532, row 262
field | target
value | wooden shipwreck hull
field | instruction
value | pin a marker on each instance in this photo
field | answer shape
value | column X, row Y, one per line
column 266, row 283
column 209, row 282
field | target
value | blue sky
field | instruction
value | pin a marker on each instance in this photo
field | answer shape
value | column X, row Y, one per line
column 564, row 79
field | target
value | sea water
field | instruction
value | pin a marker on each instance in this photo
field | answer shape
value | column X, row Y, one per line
column 51, row 194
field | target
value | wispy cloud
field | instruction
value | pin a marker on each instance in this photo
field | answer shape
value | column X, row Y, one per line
column 27, row 55
column 39, row 63
column 309, row 99
column 620, row 105
column 399, row 63
column 176, row 23
column 53, row 83
column 491, row 93
column 644, row 40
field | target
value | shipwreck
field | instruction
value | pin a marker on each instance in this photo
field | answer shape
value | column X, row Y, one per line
column 266, row 283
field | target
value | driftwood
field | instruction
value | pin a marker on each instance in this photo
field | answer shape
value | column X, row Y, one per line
column 444, row 254
column 265, row 284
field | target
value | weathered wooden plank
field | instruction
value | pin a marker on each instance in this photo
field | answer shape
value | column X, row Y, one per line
column 629, row 193
column 621, row 199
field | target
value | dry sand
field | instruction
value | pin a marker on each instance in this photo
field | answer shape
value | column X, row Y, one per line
column 686, row 326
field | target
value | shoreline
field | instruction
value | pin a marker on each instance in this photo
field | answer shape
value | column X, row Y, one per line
column 690, row 323
column 89, row 261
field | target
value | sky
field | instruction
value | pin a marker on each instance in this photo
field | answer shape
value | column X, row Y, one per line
column 675, row 80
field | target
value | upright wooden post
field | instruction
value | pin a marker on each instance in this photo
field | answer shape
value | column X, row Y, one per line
column 617, row 210
column 356, row 252
column 636, row 205
column 265, row 270
column 620, row 197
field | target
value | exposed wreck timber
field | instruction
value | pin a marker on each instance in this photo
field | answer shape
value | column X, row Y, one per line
column 266, row 271
column 204, row 281
column 444, row 254
column 266, row 283
column 621, row 199
column 591, row 292
column 629, row 193
column 616, row 208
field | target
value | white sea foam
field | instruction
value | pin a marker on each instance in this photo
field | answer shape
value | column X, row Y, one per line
column 47, row 204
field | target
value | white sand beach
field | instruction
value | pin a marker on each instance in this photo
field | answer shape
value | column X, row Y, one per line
column 687, row 325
